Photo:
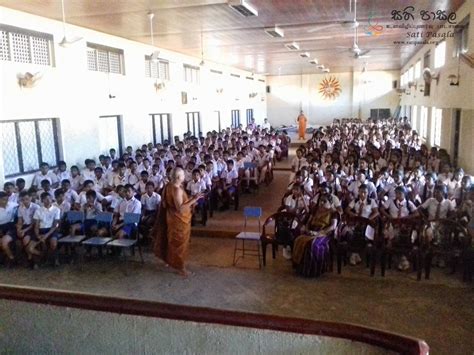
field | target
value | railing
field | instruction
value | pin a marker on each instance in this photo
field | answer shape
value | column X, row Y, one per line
column 385, row 340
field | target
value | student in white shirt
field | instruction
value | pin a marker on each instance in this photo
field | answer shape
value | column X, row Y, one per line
column 47, row 220
column 437, row 207
column 88, row 185
column 7, row 227
column 25, row 227
column 46, row 187
column 61, row 172
column 266, row 125
column 129, row 205
column 70, row 195
column 43, row 174
column 100, row 181
column 297, row 163
column 91, row 209
column 296, row 202
column 88, row 172
column 228, row 186
column 150, row 201
column 76, row 179
column 364, row 207
column 9, row 189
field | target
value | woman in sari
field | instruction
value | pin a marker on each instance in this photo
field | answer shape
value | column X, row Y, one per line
column 311, row 250
column 173, row 226
column 301, row 125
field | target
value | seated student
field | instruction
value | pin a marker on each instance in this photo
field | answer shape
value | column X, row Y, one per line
column 25, row 230
column 197, row 186
column 7, row 227
column 133, row 176
column 46, row 187
column 437, row 207
column 397, row 208
column 455, row 182
column 228, row 186
column 20, row 185
column 362, row 180
column 70, row 195
column 156, row 177
column 120, row 178
column 296, row 202
column 462, row 192
column 61, row 172
column 150, row 201
column 325, row 189
column 43, row 174
column 9, row 189
column 364, row 207
column 263, row 163
column 91, row 209
column 88, row 172
column 88, row 186
column 99, row 180
column 64, row 206
column 76, row 179
column 47, row 220
column 140, row 187
column 129, row 205
column 205, row 177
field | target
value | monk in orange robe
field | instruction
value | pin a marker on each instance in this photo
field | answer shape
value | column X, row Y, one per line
column 172, row 229
column 302, row 120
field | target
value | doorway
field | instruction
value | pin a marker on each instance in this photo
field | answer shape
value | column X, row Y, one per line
column 111, row 134
column 161, row 127
column 194, row 123
column 235, row 118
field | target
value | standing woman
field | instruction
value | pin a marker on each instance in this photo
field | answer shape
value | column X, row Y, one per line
column 301, row 125
column 173, row 227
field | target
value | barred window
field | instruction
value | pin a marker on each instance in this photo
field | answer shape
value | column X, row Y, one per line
column 27, row 143
column 157, row 68
column 25, row 46
column 105, row 59
column 191, row 74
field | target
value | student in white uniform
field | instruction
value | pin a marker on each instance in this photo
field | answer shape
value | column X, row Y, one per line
column 7, row 227
column 43, row 174
column 47, row 220
column 129, row 205
column 25, row 227
column 150, row 201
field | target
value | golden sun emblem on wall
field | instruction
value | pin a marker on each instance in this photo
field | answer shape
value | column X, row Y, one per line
column 330, row 88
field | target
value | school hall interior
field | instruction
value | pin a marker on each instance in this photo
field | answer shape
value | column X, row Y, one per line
column 330, row 144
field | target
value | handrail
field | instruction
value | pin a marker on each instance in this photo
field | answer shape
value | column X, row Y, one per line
column 374, row 337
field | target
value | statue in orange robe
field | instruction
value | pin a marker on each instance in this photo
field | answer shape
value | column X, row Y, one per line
column 302, row 120
column 172, row 229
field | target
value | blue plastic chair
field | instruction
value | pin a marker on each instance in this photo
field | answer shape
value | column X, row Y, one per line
column 129, row 243
column 73, row 217
column 103, row 218
column 249, row 212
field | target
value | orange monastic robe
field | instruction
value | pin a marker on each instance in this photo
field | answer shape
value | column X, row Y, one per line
column 172, row 229
column 302, row 125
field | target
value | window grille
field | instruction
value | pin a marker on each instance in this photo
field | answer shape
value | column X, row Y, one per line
column 105, row 59
column 27, row 143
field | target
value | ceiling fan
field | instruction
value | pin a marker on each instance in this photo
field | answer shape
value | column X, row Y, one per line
column 155, row 55
column 355, row 50
column 67, row 41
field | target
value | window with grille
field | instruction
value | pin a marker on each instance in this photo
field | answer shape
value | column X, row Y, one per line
column 25, row 46
column 436, row 122
column 27, row 143
column 157, row 69
column 191, row 74
column 105, row 59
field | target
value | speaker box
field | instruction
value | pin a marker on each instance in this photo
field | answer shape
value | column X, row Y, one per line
column 268, row 89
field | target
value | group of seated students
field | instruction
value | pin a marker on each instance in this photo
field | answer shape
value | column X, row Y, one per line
column 130, row 183
column 377, row 170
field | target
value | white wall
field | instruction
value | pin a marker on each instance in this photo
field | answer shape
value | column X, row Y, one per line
column 78, row 97
column 360, row 93
column 448, row 97
column 32, row 328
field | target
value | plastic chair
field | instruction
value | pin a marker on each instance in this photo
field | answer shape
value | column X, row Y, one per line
column 249, row 212
column 104, row 218
column 129, row 243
